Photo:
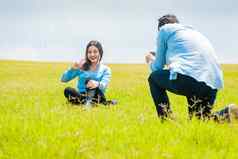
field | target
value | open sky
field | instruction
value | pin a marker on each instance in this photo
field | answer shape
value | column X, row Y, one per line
column 58, row 30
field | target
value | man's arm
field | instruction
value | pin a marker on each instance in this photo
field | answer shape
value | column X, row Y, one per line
column 161, row 47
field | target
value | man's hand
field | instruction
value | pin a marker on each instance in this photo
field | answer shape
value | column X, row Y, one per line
column 149, row 57
column 78, row 64
column 92, row 84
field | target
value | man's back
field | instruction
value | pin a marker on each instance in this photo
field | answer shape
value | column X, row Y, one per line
column 188, row 52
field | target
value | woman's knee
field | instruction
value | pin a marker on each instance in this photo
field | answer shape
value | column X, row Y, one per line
column 68, row 91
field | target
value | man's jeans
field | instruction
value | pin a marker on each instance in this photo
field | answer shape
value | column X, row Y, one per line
column 200, row 97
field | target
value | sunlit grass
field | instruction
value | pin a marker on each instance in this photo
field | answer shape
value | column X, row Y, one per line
column 36, row 122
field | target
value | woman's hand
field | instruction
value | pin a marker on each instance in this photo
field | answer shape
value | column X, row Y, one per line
column 78, row 64
column 149, row 58
column 92, row 84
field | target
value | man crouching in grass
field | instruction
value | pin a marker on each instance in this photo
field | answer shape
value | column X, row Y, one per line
column 192, row 69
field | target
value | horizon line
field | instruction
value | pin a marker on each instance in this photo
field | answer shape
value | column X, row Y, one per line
column 69, row 61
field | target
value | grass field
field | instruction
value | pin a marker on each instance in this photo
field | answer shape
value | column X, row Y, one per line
column 37, row 123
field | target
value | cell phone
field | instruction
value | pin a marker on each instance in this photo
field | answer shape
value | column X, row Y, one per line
column 152, row 52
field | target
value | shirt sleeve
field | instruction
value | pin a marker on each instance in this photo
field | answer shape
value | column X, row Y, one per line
column 69, row 74
column 106, row 77
column 161, row 47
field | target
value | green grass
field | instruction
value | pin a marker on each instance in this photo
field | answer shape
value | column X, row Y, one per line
column 37, row 123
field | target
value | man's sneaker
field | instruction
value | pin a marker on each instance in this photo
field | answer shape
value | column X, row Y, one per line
column 228, row 114
column 233, row 112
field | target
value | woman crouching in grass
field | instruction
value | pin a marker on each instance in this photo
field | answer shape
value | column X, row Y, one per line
column 93, row 78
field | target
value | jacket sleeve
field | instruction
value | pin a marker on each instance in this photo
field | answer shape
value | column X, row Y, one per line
column 69, row 74
column 106, row 77
column 161, row 48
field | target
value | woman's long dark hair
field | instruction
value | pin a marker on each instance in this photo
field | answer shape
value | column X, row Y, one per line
column 98, row 45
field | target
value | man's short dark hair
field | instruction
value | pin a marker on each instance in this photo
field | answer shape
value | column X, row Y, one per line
column 166, row 19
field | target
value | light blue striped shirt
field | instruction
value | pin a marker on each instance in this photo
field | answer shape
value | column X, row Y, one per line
column 102, row 74
column 187, row 52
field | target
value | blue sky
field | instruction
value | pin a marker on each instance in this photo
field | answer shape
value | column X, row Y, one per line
column 58, row 30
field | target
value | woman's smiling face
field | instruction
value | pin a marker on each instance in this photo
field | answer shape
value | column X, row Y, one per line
column 93, row 54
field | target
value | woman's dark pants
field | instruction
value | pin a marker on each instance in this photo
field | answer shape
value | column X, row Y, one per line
column 75, row 97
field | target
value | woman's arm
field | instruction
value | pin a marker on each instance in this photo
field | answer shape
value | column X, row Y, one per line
column 69, row 74
column 106, row 77
column 72, row 72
